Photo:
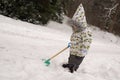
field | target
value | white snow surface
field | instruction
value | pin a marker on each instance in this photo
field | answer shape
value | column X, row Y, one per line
column 24, row 45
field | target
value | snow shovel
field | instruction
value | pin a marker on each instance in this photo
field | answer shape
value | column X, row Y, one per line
column 47, row 62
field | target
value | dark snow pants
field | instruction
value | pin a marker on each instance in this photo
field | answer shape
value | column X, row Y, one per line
column 75, row 61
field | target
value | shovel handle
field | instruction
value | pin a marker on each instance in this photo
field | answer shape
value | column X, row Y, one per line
column 58, row 53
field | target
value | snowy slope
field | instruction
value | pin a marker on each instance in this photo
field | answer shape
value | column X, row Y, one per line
column 24, row 45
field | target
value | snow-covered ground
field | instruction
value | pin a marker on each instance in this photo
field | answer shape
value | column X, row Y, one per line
column 24, row 45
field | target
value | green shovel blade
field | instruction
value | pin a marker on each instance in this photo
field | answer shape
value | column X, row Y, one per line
column 47, row 62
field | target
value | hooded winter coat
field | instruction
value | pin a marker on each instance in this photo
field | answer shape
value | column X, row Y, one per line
column 82, row 38
column 80, row 43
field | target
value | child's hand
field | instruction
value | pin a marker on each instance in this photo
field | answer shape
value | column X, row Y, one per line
column 69, row 44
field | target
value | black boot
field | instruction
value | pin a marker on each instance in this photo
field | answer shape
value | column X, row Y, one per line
column 71, row 68
column 65, row 65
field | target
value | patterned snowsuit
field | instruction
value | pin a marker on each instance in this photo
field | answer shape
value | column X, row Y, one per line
column 80, row 40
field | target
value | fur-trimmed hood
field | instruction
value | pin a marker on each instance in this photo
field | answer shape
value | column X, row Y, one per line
column 80, row 25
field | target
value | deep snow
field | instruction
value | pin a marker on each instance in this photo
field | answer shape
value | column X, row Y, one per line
column 24, row 45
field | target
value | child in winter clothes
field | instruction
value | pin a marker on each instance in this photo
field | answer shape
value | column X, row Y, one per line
column 80, row 40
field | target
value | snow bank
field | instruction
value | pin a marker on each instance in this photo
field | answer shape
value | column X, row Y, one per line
column 24, row 45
